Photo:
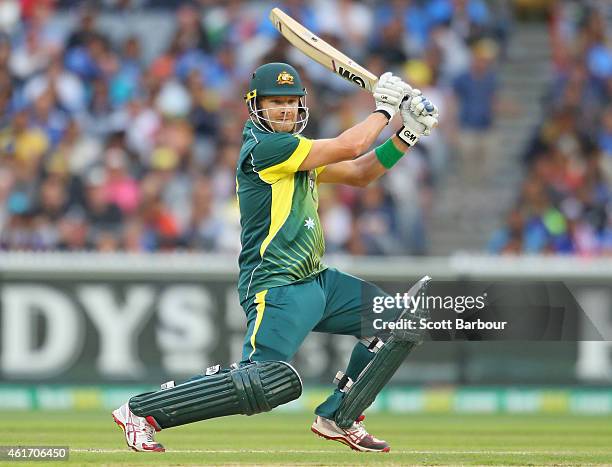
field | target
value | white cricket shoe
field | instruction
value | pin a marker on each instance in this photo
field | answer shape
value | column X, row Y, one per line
column 139, row 433
column 356, row 437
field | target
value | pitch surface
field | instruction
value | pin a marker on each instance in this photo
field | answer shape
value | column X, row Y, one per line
column 285, row 439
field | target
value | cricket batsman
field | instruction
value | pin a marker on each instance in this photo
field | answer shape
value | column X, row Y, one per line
column 285, row 289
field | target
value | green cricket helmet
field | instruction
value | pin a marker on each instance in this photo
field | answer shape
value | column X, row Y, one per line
column 276, row 79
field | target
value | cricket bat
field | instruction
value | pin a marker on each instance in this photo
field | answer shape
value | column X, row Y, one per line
column 322, row 52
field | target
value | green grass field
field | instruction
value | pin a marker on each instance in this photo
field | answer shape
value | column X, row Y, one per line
column 285, row 439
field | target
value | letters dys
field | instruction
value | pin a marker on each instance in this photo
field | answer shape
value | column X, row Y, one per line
column 182, row 316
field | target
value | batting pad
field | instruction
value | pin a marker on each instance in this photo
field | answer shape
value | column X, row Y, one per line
column 361, row 393
column 249, row 389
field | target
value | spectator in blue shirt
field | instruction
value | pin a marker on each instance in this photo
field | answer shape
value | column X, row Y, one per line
column 475, row 91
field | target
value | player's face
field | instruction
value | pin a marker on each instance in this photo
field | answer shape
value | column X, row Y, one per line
column 281, row 112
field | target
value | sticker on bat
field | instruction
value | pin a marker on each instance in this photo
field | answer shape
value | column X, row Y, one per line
column 346, row 74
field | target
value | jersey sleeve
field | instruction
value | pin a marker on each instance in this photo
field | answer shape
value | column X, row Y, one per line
column 279, row 154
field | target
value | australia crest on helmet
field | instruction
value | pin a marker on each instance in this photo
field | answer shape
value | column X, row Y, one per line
column 284, row 77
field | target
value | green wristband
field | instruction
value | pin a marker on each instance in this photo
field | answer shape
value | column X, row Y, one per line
column 388, row 154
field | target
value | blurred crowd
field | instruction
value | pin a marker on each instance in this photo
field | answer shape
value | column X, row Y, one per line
column 120, row 121
column 565, row 205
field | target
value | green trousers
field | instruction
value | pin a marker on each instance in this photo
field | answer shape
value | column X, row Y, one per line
column 280, row 318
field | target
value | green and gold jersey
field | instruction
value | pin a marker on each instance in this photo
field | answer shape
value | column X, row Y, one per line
column 282, row 240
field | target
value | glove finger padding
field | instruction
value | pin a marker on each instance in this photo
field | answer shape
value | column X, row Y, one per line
column 406, row 89
column 384, row 78
column 394, row 89
column 394, row 81
column 428, row 122
column 417, row 105
column 389, row 93
column 420, row 105
column 393, row 92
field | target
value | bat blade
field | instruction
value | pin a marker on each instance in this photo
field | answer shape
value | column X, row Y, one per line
column 322, row 52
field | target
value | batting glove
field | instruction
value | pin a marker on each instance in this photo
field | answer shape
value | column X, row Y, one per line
column 389, row 93
column 420, row 105
column 419, row 116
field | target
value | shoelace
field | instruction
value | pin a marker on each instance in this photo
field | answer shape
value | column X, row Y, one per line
column 358, row 430
column 149, row 432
